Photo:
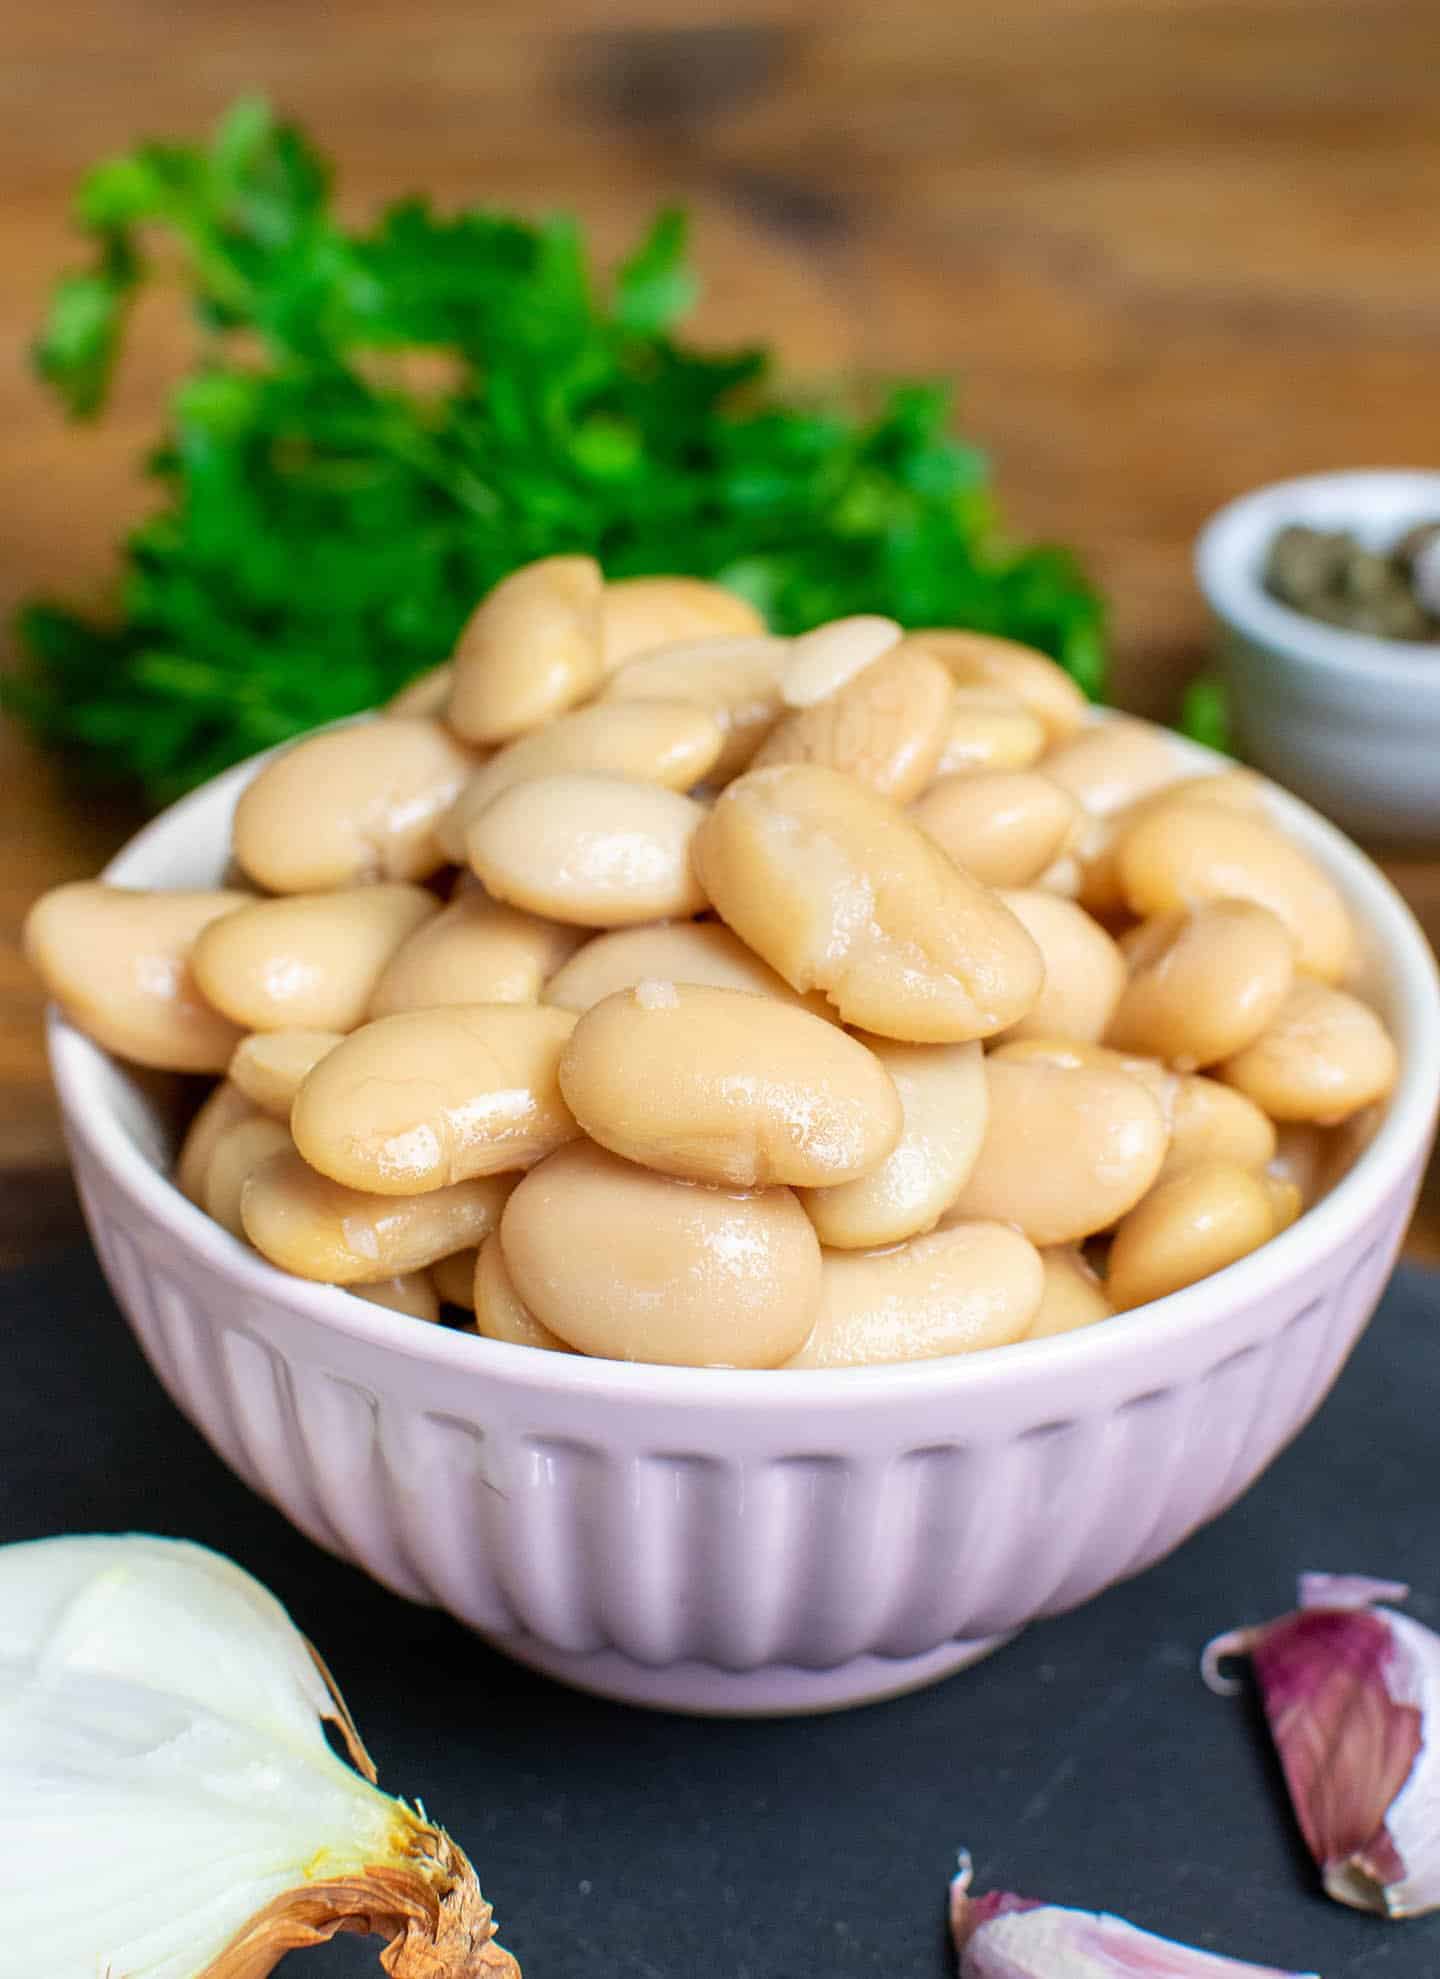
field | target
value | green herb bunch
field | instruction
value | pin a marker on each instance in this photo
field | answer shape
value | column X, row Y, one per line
column 382, row 423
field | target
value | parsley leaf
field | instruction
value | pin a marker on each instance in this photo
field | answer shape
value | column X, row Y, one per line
column 382, row 422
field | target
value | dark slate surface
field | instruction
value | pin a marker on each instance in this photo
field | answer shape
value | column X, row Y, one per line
column 1086, row 1762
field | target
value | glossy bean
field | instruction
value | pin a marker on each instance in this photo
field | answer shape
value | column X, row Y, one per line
column 670, row 951
column 886, row 726
column 351, row 805
column 1084, row 969
column 1112, row 764
column 988, row 730
column 316, row 1228
column 837, row 889
column 718, row 1085
column 631, row 1265
column 979, row 659
column 823, row 659
column 1203, row 982
column 944, row 1100
column 530, row 650
column 1182, row 855
column 1195, row 1223
column 268, row 1066
column 1323, row 1056
column 954, row 1291
column 500, row 1312
column 412, row 1292
column 1067, row 1151
column 223, row 1108
column 307, row 961
column 1073, row 1296
column 476, row 950
column 593, row 851
column 640, row 613
column 674, row 743
column 237, row 1153
column 120, row 963
column 1005, row 827
column 431, row 1097
column 735, row 680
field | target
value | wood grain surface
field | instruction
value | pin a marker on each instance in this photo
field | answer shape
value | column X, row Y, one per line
column 1172, row 248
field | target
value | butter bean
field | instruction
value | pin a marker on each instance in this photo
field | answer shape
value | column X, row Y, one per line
column 1073, row 1296
column 1195, row 1223
column 1284, row 1198
column 237, row 1153
column 1084, row 969
column 319, row 1229
column 351, row 805
column 718, row 1085
column 674, row 743
column 1005, row 827
column 1067, row 1151
column 1207, row 1124
column 1323, row 1056
column 594, row 851
column 640, row 613
column 736, row 680
column 1099, row 890
column 426, row 694
column 1185, row 854
column 476, row 950
column 454, row 1277
column 631, row 1265
column 530, row 650
column 120, row 963
column 223, row 1109
column 837, row 889
column 269, row 1066
column 979, row 659
column 307, row 962
column 1204, row 982
column 954, row 1291
column 989, row 731
column 823, row 659
column 500, row 1312
column 1202, row 1117
column 886, row 726
column 1113, row 764
column 670, row 951
column 944, row 1098
column 411, row 1292
column 430, row 1097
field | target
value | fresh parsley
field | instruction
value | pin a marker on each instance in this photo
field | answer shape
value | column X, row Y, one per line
column 382, row 422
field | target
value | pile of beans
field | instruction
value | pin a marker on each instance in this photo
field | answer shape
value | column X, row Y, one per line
column 656, row 989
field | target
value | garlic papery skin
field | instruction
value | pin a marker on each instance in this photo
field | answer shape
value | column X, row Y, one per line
column 1000, row 1936
column 170, row 1806
column 1351, row 1691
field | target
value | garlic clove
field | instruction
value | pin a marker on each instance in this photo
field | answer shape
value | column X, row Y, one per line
column 1000, row 1936
column 1351, row 1691
column 170, row 1806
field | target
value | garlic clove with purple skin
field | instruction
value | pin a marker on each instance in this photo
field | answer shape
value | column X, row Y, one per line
column 1351, row 1691
column 1000, row 1936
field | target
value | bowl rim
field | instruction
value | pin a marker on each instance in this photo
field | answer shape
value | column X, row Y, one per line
column 1227, row 569
column 1400, row 1139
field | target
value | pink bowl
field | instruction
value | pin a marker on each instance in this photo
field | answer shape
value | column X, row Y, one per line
column 744, row 1542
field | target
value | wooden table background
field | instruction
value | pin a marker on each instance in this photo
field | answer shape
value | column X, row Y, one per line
column 1172, row 248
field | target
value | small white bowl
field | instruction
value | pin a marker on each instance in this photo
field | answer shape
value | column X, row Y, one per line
column 1349, row 721
column 724, row 1541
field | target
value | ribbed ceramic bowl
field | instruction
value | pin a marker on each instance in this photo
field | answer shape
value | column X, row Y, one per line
column 729, row 1541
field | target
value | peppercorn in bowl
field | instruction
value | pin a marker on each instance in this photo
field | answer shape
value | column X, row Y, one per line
column 1326, row 590
column 912, row 1151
